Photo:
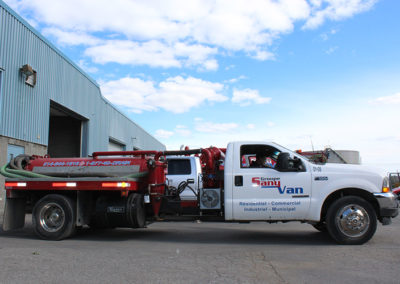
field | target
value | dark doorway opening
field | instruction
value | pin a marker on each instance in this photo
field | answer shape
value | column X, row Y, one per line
column 65, row 132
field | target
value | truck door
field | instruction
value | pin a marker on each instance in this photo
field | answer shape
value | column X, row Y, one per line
column 261, row 192
column 183, row 169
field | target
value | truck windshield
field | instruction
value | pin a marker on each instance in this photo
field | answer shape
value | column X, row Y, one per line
column 292, row 153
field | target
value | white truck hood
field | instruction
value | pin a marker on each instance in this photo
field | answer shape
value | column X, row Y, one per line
column 353, row 169
column 357, row 176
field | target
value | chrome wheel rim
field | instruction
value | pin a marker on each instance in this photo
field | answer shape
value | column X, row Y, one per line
column 353, row 220
column 52, row 217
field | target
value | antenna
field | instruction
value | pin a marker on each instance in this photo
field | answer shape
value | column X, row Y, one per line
column 312, row 145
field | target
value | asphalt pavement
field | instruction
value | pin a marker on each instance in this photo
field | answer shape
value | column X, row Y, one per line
column 192, row 252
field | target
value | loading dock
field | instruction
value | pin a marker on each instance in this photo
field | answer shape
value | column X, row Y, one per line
column 65, row 132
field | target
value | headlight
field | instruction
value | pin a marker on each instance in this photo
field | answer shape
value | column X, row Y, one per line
column 385, row 185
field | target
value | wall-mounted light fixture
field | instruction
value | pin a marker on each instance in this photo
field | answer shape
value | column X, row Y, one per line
column 30, row 75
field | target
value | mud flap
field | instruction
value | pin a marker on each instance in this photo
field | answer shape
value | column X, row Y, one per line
column 14, row 214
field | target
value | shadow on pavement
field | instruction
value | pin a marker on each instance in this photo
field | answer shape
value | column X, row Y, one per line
column 216, row 236
column 190, row 233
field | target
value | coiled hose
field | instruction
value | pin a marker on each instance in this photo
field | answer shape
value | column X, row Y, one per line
column 3, row 172
column 15, row 168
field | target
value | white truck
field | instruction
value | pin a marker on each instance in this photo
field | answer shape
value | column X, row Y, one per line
column 247, row 181
column 344, row 200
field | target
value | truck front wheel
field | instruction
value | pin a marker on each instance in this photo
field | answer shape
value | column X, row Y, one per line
column 351, row 220
column 321, row 226
column 53, row 217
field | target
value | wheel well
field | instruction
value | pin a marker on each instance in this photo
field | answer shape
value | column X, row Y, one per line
column 35, row 196
column 346, row 192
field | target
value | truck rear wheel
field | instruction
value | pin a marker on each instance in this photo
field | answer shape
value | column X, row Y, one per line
column 53, row 217
column 135, row 213
column 351, row 220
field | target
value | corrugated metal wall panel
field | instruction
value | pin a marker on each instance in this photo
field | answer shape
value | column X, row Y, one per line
column 25, row 110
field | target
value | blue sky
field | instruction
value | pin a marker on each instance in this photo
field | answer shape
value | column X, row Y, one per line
column 203, row 73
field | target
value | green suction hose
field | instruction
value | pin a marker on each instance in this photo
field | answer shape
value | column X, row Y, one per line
column 137, row 175
column 3, row 172
column 26, row 174
column 11, row 173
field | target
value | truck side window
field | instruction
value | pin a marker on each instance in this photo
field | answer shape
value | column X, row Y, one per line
column 179, row 167
column 258, row 156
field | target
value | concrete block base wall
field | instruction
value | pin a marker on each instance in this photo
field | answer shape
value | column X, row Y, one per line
column 30, row 149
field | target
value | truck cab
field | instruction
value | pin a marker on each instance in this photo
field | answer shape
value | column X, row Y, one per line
column 281, row 185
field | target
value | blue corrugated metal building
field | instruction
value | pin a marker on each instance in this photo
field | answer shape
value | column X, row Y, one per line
column 49, row 105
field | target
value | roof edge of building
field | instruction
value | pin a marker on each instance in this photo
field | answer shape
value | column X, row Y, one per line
column 59, row 52
column 46, row 41
column 123, row 114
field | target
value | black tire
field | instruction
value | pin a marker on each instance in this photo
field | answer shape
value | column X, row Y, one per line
column 351, row 220
column 53, row 217
column 321, row 226
column 136, row 213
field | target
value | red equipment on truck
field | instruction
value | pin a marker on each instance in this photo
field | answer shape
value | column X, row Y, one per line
column 100, row 191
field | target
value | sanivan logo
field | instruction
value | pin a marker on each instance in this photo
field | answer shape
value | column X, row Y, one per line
column 275, row 183
column 266, row 182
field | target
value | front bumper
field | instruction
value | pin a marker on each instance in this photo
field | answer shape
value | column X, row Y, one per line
column 388, row 204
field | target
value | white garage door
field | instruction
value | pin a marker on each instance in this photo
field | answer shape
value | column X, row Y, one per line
column 113, row 146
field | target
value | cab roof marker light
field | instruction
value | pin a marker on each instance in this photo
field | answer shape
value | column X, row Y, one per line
column 64, row 184
column 15, row 184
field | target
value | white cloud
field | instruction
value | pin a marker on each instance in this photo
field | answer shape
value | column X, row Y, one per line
column 270, row 124
column 325, row 36
column 131, row 93
column 180, row 33
column 250, row 126
column 153, row 53
column 263, row 55
column 234, row 80
column 175, row 94
column 211, row 127
column 387, row 100
column 247, row 96
column 85, row 66
column 211, row 64
column 179, row 95
column 196, row 54
column 370, row 133
column 70, row 38
column 335, row 10
column 182, row 130
column 331, row 50
column 163, row 134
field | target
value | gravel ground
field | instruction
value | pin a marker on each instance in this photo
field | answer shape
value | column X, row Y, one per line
column 191, row 252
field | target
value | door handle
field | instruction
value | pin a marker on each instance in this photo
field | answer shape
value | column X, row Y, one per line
column 238, row 180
